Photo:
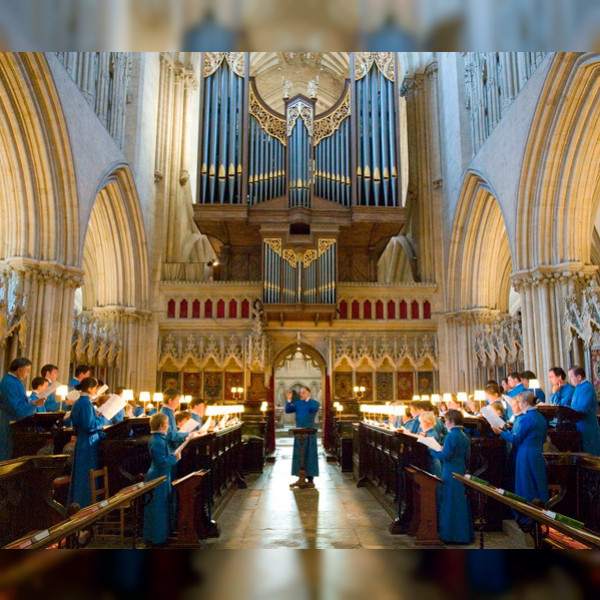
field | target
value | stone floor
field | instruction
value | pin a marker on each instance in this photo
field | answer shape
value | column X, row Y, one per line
column 335, row 515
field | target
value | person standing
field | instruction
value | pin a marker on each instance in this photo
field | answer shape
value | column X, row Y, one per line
column 14, row 404
column 455, row 523
column 562, row 392
column 305, row 410
column 529, row 436
column 88, row 429
column 585, row 401
column 50, row 374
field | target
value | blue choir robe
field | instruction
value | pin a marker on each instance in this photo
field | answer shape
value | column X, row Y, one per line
column 413, row 425
column 118, row 417
column 174, row 438
column 305, row 412
column 511, row 460
column 73, row 383
column 88, row 429
column 51, row 405
column 435, row 465
column 14, row 405
column 516, row 390
column 105, row 422
column 538, row 393
column 529, row 435
column 138, row 411
column 157, row 524
column 33, row 399
column 455, row 523
column 585, row 401
column 440, row 429
column 563, row 396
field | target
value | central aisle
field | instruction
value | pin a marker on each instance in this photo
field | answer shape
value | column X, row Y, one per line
column 336, row 514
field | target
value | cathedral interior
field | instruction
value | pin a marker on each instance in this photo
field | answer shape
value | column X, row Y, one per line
column 372, row 225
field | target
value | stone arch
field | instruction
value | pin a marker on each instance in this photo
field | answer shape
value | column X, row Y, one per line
column 480, row 261
column 559, row 191
column 115, row 252
column 39, row 227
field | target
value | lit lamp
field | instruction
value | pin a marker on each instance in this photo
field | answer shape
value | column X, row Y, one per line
column 359, row 391
column 187, row 400
column 157, row 398
column 425, row 397
column 264, row 407
column 534, row 384
column 62, row 392
column 127, row 395
column 447, row 397
column 479, row 396
column 435, row 398
column 237, row 392
column 416, row 397
column 144, row 398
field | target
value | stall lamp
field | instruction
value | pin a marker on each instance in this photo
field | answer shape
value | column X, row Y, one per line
column 479, row 395
column 157, row 398
column 144, row 397
column 62, row 391
column 462, row 397
column 127, row 395
column 534, row 384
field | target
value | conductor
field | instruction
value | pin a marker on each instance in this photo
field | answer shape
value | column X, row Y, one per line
column 306, row 410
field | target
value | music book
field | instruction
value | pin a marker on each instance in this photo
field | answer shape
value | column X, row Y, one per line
column 73, row 395
column 492, row 417
column 49, row 390
column 189, row 426
column 111, row 407
column 430, row 443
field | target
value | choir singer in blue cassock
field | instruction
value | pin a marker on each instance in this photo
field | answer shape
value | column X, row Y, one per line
column 455, row 523
column 529, row 435
column 13, row 403
column 306, row 410
column 585, row 401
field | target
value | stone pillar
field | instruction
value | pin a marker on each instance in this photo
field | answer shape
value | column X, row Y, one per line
column 544, row 291
column 47, row 295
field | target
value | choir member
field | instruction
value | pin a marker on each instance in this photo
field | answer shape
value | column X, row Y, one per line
column 171, row 398
column 13, row 403
column 493, row 395
column 81, row 372
column 562, row 391
column 585, row 401
column 100, row 400
column 88, row 429
column 526, row 377
column 305, row 410
column 416, row 409
column 156, row 513
column 38, row 385
column 50, row 374
column 128, row 410
column 198, row 410
column 505, row 386
column 428, row 423
column 181, row 418
column 456, row 526
column 515, row 385
column 529, row 435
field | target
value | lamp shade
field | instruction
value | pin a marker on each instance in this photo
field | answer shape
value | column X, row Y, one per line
column 479, row 395
column 534, row 384
column 462, row 396
column 144, row 397
column 62, row 391
column 127, row 395
column 157, row 398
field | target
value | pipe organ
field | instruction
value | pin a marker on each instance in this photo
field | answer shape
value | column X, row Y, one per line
column 315, row 195
column 306, row 276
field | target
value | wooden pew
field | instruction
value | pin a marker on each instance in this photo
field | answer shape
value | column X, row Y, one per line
column 547, row 532
column 26, row 498
column 193, row 519
column 65, row 533
column 424, row 523
column 380, row 457
column 34, row 432
column 577, row 475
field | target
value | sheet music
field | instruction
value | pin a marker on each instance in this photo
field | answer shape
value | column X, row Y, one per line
column 49, row 390
column 430, row 443
column 100, row 391
column 111, row 407
column 73, row 395
column 492, row 417
column 206, row 425
column 189, row 426
column 183, row 445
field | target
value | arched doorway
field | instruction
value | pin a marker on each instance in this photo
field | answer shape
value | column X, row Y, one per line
column 295, row 366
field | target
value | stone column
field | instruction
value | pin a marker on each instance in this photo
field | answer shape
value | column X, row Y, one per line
column 45, row 293
column 544, row 291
